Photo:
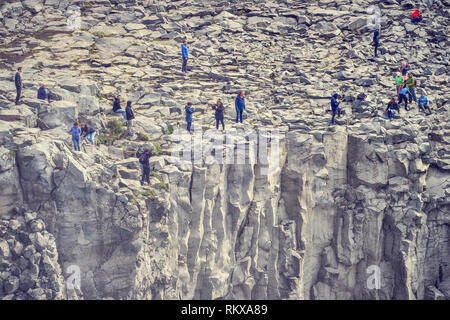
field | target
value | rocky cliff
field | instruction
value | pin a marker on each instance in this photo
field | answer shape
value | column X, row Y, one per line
column 312, row 221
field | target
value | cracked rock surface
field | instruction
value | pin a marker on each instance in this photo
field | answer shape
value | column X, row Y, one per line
column 365, row 192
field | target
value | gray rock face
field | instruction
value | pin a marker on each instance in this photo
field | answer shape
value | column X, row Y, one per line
column 359, row 210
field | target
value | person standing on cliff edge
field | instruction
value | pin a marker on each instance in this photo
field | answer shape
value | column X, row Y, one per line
column 18, row 83
column 240, row 106
column 376, row 38
column 184, row 55
column 335, row 107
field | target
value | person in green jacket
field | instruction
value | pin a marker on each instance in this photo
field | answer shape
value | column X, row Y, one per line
column 399, row 82
column 411, row 84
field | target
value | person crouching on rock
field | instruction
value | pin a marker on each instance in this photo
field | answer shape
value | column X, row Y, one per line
column 402, row 96
column 130, row 116
column 117, row 108
column 88, row 132
column 423, row 103
column 416, row 16
column 43, row 93
column 335, row 107
column 144, row 161
column 189, row 111
column 392, row 108
column 76, row 132
column 219, row 113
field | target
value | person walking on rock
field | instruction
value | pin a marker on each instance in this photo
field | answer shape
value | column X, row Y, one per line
column 416, row 16
column 18, row 83
column 399, row 81
column 189, row 111
column 402, row 96
column 43, row 93
column 117, row 108
column 144, row 161
column 130, row 116
column 376, row 38
column 423, row 103
column 76, row 132
column 411, row 84
column 335, row 107
column 240, row 106
column 184, row 55
column 219, row 114
column 392, row 108
column 88, row 132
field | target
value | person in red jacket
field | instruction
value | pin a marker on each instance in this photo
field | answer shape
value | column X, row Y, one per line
column 416, row 16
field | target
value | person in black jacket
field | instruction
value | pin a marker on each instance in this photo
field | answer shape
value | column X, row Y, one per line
column 88, row 132
column 376, row 38
column 18, row 83
column 392, row 108
column 219, row 113
column 117, row 108
column 130, row 116
column 144, row 161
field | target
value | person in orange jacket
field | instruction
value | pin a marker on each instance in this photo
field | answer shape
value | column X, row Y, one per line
column 416, row 16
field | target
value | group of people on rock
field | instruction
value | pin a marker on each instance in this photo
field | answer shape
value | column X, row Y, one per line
column 80, row 131
column 416, row 17
column 128, row 113
column 43, row 93
column 405, row 84
column 219, row 109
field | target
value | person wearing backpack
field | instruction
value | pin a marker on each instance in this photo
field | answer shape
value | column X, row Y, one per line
column 144, row 161
column 130, row 116
column 335, row 107
column 411, row 84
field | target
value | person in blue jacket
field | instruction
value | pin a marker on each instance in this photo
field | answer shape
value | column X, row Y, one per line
column 18, row 83
column 335, row 107
column 376, row 38
column 423, row 103
column 43, row 93
column 76, row 133
column 240, row 106
column 402, row 96
column 184, row 55
column 189, row 111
